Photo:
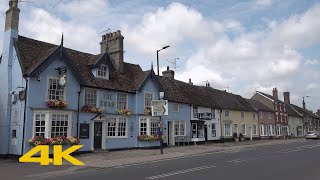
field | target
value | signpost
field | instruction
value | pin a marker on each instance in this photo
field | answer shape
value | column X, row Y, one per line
column 159, row 108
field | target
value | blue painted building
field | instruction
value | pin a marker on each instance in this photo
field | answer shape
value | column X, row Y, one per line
column 108, row 100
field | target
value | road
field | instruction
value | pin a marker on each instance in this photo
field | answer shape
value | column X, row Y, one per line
column 294, row 161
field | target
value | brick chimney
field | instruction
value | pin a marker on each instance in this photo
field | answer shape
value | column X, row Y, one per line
column 112, row 43
column 275, row 93
column 190, row 82
column 12, row 16
column 318, row 112
column 168, row 73
column 286, row 97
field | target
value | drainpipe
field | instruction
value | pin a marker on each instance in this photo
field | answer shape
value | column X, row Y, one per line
column 24, row 116
column 78, row 112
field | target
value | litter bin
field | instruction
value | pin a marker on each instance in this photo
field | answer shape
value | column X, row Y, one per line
column 222, row 139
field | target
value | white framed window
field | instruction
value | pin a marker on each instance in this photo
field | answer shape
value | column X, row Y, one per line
column 122, row 101
column 148, row 126
column 242, row 115
column 148, row 97
column 269, row 115
column 117, row 127
column 194, row 130
column 103, row 71
column 106, row 101
column 59, row 125
column 213, row 130
column 275, row 106
column 54, row 90
column 52, row 123
column 90, row 97
column 277, row 117
column 40, row 125
column 253, row 115
column 243, row 129
column 226, row 113
column 227, row 129
column 270, row 130
column 175, row 107
column 179, row 128
column 143, row 126
column 280, row 107
column 154, row 123
column 195, row 112
column 213, row 113
column 255, row 132
column 281, row 117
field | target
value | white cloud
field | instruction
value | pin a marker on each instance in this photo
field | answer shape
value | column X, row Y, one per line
column 171, row 25
column 299, row 31
column 312, row 62
column 263, row 3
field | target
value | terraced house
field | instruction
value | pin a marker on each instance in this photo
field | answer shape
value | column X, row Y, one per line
column 203, row 123
column 279, row 108
column 266, row 118
column 237, row 116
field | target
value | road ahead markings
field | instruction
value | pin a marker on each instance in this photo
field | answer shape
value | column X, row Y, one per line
column 180, row 172
column 241, row 160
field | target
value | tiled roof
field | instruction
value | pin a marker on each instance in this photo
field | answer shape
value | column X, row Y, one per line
column 183, row 92
column 293, row 111
column 305, row 112
column 33, row 53
column 258, row 105
column 269, row 96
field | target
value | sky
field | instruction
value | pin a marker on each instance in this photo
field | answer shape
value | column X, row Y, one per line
column 240, row 46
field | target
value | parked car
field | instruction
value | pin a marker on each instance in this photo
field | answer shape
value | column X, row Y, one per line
column 313, row 135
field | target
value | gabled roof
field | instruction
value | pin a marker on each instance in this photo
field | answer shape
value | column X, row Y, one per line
column 293, row 111
column 259, row 106
column 33, row 53
column 304, row 112
column 269, row 96
column 183, row 92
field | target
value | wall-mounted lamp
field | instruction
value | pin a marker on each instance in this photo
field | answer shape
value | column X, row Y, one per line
column 38, row 78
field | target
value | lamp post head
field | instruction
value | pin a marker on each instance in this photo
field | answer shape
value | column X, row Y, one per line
column 165, row 47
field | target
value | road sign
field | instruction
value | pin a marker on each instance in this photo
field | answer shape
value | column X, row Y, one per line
column 159, row 107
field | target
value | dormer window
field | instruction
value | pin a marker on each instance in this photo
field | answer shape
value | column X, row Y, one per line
column 103, row 71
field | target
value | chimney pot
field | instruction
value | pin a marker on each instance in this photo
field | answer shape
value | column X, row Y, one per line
column 286, row 97
column 275, row 93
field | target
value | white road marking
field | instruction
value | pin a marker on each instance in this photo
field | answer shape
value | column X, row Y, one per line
column 180, row 172
column 292, row 151
column 241, row 160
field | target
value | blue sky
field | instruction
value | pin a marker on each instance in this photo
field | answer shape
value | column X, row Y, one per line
column 240, row 46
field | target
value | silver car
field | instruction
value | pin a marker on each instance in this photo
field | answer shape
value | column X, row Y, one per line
column 313, row 135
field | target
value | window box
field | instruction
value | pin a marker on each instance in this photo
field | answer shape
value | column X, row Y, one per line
column 92, row 109
column 125, row 112
column 59, row 104
column 146, row 137
column 147, row 111
column 59, row 140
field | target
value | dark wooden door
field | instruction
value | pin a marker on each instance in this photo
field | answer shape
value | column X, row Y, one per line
column 97, row 135
column 206, row 132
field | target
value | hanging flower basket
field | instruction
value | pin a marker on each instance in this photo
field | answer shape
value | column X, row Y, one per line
column 60, row 104
column 147, row 111
column 92, row 109
column 150, row 137
column 124, row 112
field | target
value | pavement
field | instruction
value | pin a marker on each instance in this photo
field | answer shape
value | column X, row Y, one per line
column 118, row 159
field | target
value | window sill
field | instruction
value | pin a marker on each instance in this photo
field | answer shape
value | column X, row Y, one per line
column 117, row 137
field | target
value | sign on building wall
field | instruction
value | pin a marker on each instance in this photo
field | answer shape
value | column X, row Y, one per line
column 205, row 116
column 84, row 131
column 159, row 107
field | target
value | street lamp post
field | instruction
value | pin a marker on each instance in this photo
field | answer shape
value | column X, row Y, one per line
column 160, row 123
column 304, row 107
column 165, row 47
